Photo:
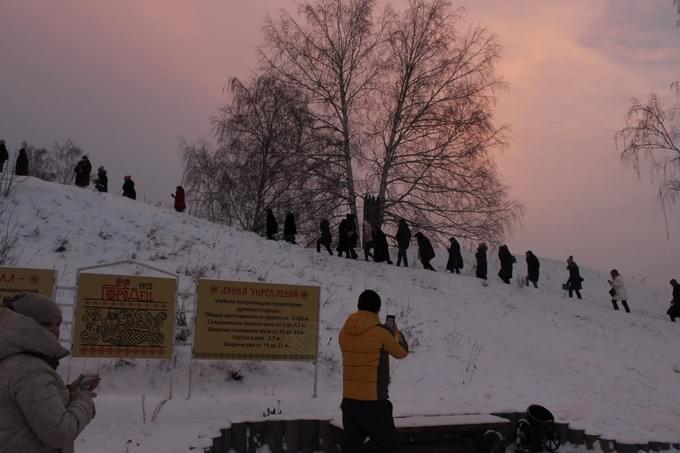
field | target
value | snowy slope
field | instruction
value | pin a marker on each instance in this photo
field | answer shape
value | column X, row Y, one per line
column 474, row 349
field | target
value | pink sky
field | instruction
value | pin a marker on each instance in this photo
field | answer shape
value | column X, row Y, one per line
column 124, row 79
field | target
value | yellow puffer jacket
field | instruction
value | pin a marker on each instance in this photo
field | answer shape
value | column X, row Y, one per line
column 365, row 345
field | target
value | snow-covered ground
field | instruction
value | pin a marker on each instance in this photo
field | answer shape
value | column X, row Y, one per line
column 474, row 348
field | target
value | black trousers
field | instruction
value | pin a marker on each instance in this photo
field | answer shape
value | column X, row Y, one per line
column 427, row 265
column 623, row 302
column 368, row 419
column 401, row 254
column 326, row 244
column 571, row 292
column 368, row 245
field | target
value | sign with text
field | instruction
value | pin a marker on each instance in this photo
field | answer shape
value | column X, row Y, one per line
column 124, row 316
column 16, row 280
column 256, row 321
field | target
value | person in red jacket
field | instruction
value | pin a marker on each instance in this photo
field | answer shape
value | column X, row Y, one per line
column 180, row 205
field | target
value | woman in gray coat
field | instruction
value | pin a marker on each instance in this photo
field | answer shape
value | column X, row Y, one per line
column 38, row 412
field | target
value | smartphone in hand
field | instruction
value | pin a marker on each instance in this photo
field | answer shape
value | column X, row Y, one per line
column 391, row 323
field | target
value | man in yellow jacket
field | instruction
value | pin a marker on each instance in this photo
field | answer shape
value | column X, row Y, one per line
column 365, row 345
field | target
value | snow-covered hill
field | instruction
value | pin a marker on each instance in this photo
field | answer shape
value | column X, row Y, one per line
column 474, row 349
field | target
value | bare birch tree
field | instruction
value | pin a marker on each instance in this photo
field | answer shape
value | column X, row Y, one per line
column 258, row 163
column 206, row 180
column 652, row 134
column 434, row 128
column 327, row 54
column 56, row 164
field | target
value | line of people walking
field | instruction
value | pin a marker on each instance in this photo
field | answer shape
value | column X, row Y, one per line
column 375, row 247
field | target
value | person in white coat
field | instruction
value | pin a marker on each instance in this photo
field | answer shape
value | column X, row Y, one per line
column 618, row 291
column 38, row 412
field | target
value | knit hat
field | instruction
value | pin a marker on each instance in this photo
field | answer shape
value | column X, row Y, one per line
column 369, row 301
column 40, row 308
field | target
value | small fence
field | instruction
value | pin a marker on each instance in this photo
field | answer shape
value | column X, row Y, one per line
column 310, row 435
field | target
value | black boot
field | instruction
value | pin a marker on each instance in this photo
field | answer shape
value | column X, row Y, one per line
column 616, row 306
column 625, row 306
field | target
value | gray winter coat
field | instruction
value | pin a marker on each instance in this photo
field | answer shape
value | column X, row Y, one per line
column 38, row 414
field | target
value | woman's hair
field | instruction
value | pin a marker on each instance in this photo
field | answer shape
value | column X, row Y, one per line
column 614, row 272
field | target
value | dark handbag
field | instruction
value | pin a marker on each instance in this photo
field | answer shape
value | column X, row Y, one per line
column 612, row 292
column 565, row 286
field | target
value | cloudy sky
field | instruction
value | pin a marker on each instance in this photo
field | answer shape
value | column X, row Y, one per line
column 124, row 79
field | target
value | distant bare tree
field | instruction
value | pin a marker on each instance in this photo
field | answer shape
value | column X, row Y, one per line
column 328, row 56
column 38, row 161
column 56, row 164
column 8, row 179
column 65, row 157
column 652, row 134
column 9, row 235
column 434, row 125
column 206, row 180
column 258, row 163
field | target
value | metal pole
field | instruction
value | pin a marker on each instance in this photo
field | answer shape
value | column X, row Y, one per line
column 316, row 361
column 193, row 338
column 174, row 350
column 316, row 373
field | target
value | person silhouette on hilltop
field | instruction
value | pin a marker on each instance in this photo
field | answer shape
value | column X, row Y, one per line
column 455, row 262
column 575, row 279
column 21, row 168
column 533, row 267
column 129, row 188
column 82, row 171
column 180, row 204
column 272, row 225
column 480, row 256
column 425, row 250
column 4, row 155
column 101, row 183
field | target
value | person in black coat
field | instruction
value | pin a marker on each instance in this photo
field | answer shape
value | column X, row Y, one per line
column 455, row 262
column 352, row 235
column 101, row 183
column 532, row 269
column 674, row 311
column 403, row 241
column 4, row 155
column 506, row 259
column 82, row 171
column 129, row 188
column 480, row 256
column 381, row 251
column 326, row 238
column 272, row 225
column 342, row 238
column 425, row 250
column 21, row 168
column 575, row 279
column 347, row 237
column 289, row 230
